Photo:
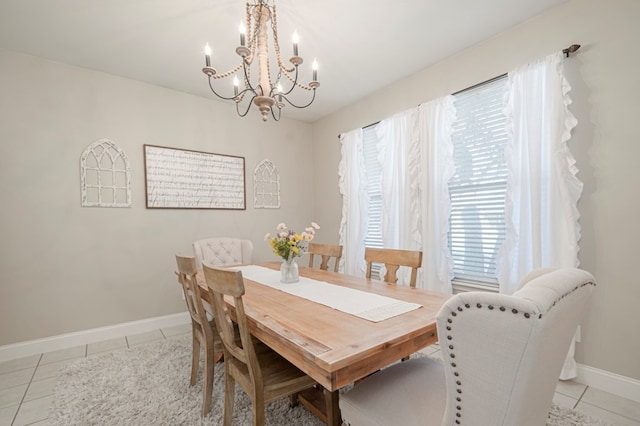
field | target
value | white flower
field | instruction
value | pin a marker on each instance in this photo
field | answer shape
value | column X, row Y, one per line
column 287, row 243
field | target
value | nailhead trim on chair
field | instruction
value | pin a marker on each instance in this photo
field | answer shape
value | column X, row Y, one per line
column 490, row 307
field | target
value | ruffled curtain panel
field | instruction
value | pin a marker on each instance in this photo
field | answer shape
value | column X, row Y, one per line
column 416, row 155
column 352, row 181
column 541, row 212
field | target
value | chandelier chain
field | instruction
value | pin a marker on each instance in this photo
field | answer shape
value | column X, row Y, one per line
column 228, row 73
column 252, row 34
column 276, row 48
column 276, row 44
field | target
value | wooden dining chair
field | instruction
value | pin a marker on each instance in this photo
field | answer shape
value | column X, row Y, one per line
column 393, row 259
column 261, row 372
column 203, row 330
column 326, row 252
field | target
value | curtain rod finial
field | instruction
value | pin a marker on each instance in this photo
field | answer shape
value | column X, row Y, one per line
column 571, row 49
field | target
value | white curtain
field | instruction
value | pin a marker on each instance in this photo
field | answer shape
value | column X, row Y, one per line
column 416, row 156
column 542, row 187
column 434, row 127
column 397, row 148
column 352, row 181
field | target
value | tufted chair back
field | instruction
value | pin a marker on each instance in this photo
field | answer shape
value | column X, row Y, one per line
column 501, row 359
column 503, row 354
column 223, row 251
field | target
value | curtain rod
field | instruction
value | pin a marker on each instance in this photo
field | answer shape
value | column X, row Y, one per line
column 363, row 127
column 567, row 51
column 571, row 49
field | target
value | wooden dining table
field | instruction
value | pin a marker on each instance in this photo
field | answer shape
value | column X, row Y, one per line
column 333, row 347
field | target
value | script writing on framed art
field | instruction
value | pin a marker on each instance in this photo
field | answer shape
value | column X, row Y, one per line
column 185, row 179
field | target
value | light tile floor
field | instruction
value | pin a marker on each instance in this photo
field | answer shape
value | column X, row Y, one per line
column 27, row 384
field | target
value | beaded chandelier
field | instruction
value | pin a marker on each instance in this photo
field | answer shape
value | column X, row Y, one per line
column 266, row 93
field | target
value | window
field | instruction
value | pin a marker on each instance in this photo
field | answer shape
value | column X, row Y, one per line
column 477, row 190
column 374, row 190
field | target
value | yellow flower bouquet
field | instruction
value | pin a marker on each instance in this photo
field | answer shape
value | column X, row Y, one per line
column 289, row 244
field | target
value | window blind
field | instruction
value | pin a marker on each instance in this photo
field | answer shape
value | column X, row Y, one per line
column 374, row 189
column 477, row 189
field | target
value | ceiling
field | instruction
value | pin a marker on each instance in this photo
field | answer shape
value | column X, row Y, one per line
column 360, row 45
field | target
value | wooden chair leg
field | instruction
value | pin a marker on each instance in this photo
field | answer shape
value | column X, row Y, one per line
column 229, row 394
column 258, row 409
column 293, row 399
column 195, row 359
column 207, row 395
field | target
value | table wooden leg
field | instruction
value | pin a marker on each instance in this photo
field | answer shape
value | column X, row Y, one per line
column 323, row 403
column 333, row 408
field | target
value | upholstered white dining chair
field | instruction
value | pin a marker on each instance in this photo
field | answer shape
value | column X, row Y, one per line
column 221, row 251
column 501, row 359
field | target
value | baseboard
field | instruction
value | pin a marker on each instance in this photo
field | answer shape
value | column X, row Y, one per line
column 616, row 384
column 63, row 341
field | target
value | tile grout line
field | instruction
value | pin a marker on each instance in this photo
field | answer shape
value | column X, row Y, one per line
column 597, row 406
column 86, row 348
column 15, row 416
column 580, row 397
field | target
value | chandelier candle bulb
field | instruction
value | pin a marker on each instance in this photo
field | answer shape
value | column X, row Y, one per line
column 295, row 43
column 279, row 92
column 207, row 55
column 243, row 31
column 314, row 67
column 236, row 83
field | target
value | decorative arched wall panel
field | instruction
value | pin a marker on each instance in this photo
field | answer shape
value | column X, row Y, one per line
column 105, row 175
column 266, row 186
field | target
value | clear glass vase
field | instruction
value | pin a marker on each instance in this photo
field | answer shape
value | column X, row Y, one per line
column 289, row 271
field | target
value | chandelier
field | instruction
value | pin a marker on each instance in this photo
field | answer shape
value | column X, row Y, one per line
column 264, row 92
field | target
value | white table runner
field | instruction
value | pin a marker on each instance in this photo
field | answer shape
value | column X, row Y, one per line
column 372, row 307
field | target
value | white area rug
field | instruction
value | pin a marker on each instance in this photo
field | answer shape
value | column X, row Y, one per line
column 149, row 385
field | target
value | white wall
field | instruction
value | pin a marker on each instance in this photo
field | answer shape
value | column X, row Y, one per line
column 65, row 268
column 606, row 87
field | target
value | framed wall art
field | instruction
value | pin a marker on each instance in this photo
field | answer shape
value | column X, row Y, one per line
column 186, row 179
